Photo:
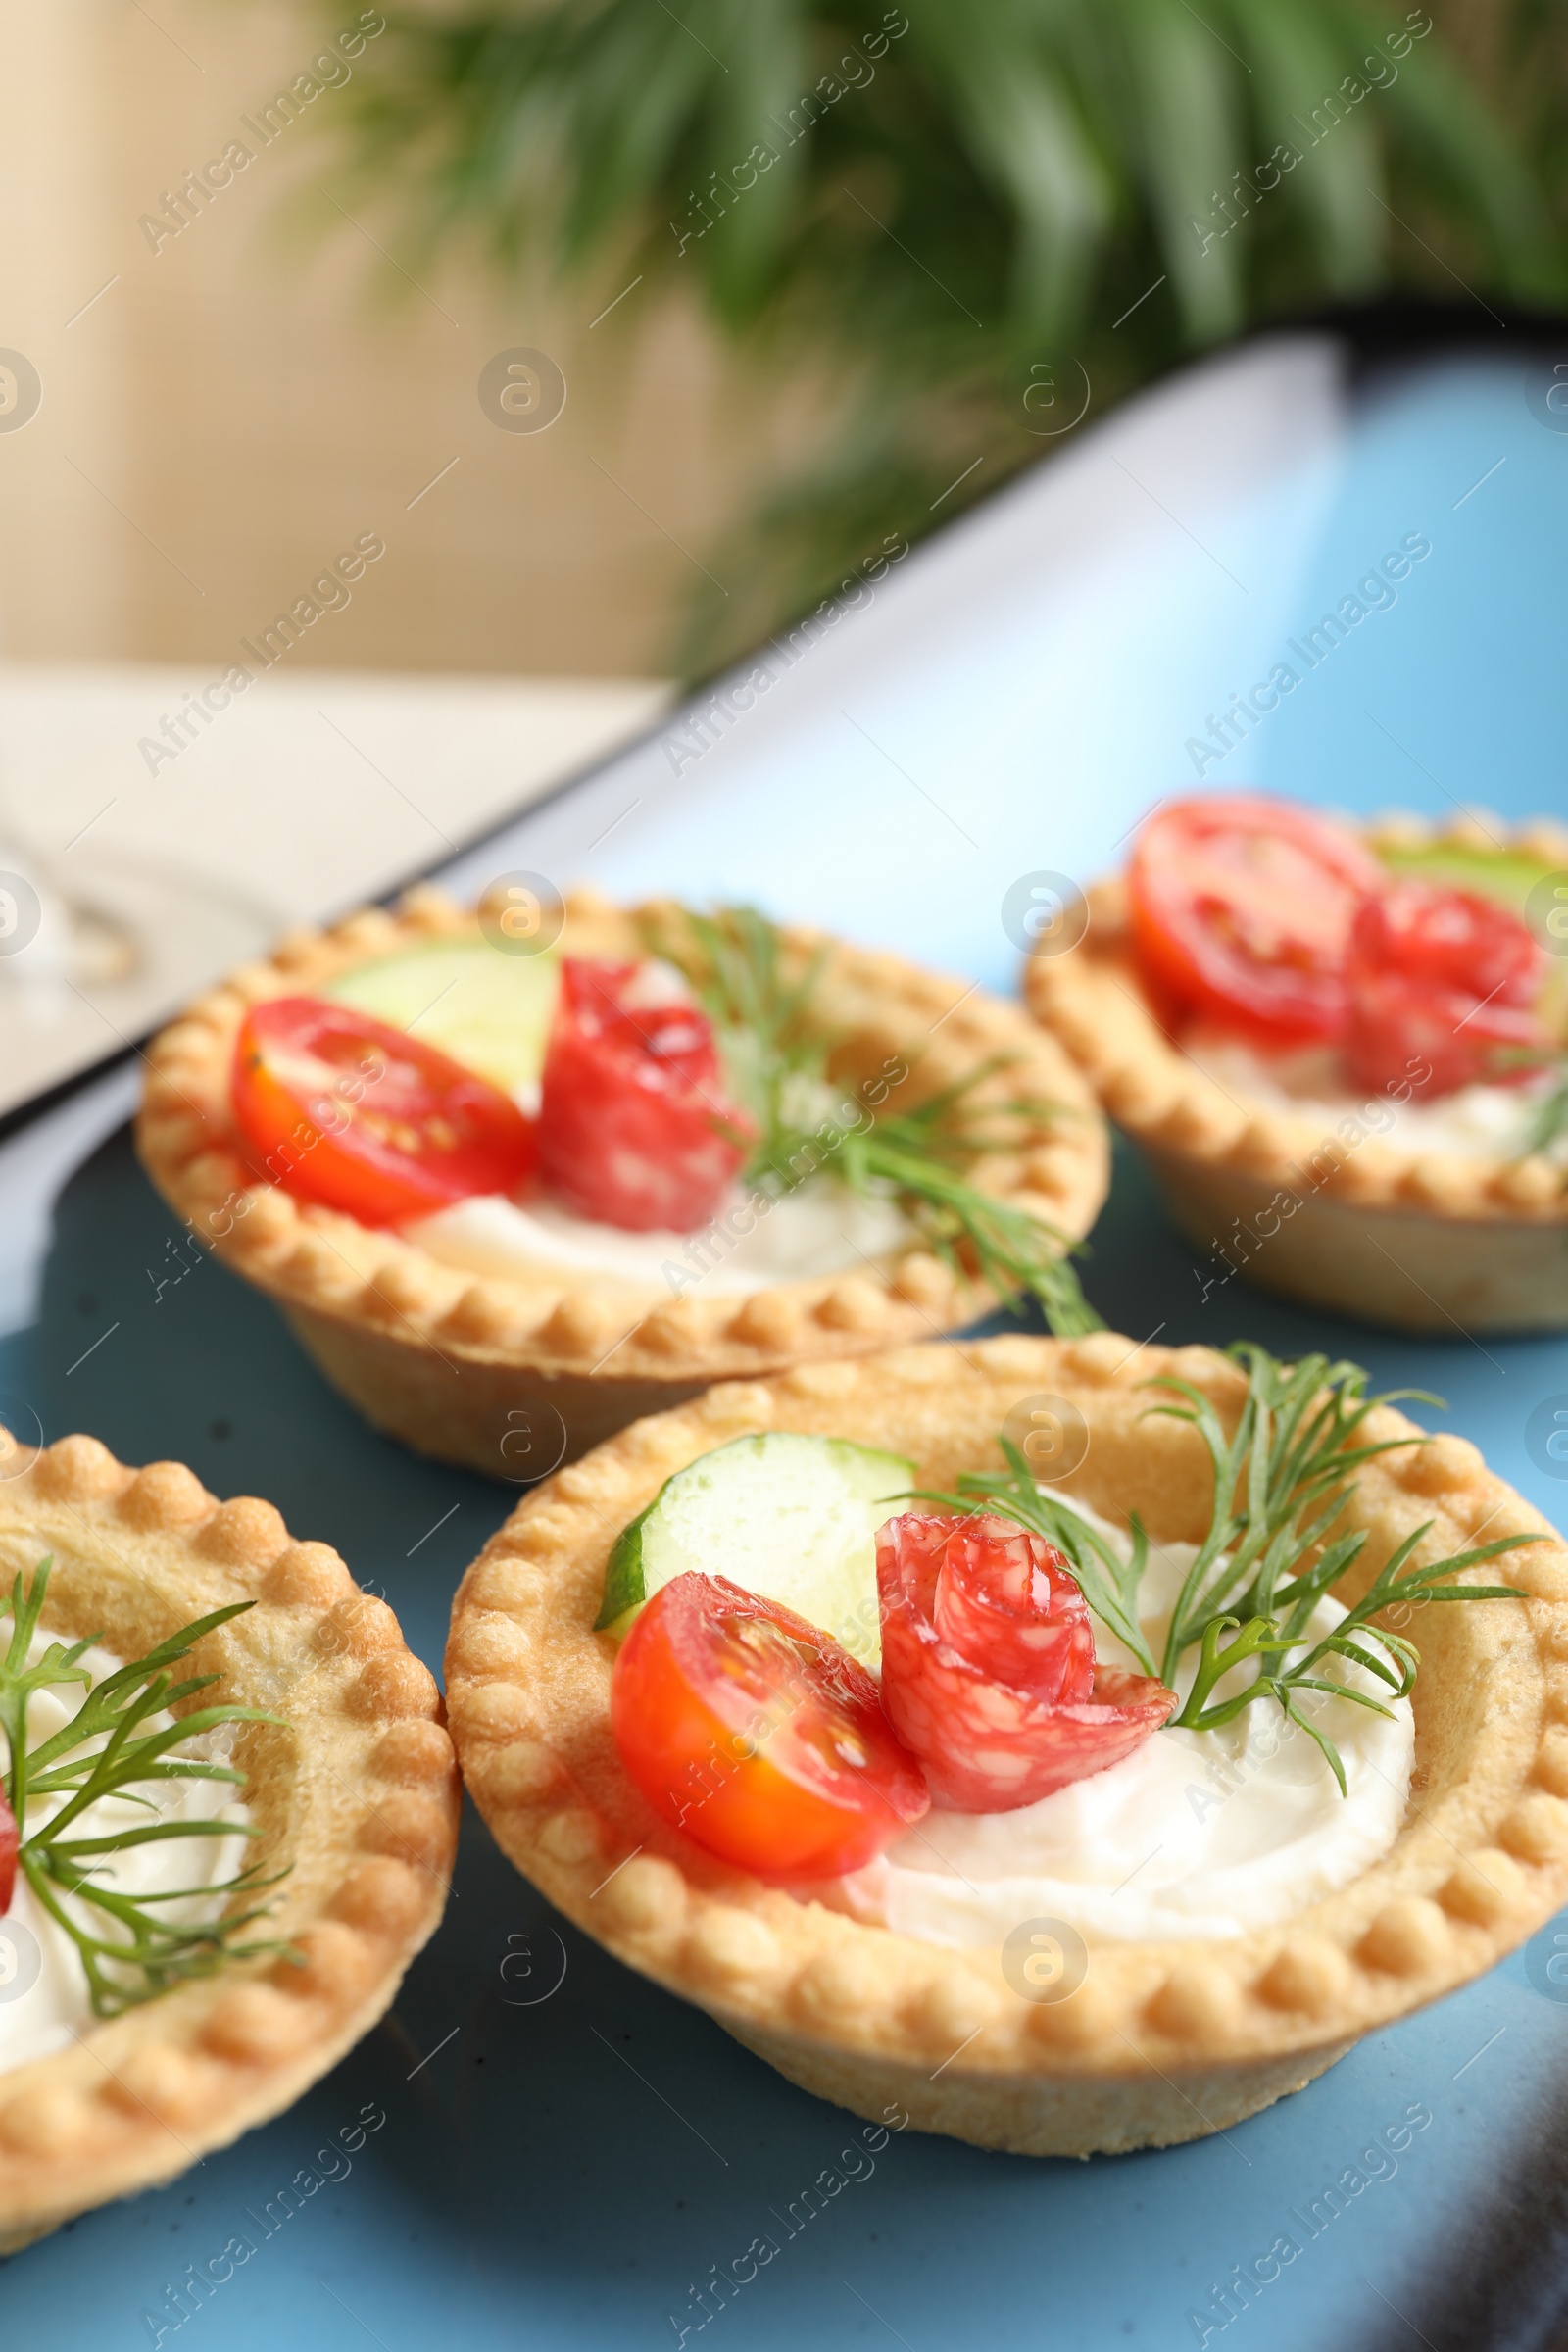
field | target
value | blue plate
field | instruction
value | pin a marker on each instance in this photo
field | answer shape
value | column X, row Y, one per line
column 540, row 2149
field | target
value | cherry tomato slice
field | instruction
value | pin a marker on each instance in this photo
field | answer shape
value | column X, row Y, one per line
column 988, row 1669
column 1242, row 910
column 8, row 1854
column 1442, row 979
column 757, row 1735
column 634, row 1125
column 341, row 1108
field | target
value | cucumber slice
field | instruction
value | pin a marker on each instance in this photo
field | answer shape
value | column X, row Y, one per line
column 489, row 1010
column 789, row 1516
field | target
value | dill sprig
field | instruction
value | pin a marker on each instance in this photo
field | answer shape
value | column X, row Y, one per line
column 1281, row 1481
column 1389, row 1657
column 1294, row 1447
column 1551, row 1120
column 776, row 1053
column 128, row 1951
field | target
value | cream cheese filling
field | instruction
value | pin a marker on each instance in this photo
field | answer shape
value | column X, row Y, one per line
column 750, row 1244
column 1195, row 1833
column 44, row 2003
column 1474, row 1122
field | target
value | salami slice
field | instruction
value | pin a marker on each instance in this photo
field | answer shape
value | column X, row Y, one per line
column 635, row 1127
column 988, row 1664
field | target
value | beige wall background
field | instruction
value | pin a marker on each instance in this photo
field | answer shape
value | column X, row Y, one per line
column 221, row 418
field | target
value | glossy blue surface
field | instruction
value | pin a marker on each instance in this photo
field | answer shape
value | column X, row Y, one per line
column 568, row 2170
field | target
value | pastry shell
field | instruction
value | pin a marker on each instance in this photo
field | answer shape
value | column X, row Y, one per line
column 357, row 1799
column 1340, row 1218
column 515, row 1376
column 1162, row 2041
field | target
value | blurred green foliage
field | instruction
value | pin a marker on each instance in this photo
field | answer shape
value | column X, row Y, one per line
column 932, row 219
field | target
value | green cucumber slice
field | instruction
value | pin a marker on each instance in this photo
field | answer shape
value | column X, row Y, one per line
column 789, row 1516
column 488, row 1010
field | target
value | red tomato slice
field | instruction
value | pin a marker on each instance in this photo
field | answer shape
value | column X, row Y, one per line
column 758, row 1734
column 1242, row 910
column 340, row 1109
column 634, row 1125
column 988, row 1665
column 1442, row 979
column 8, row 1854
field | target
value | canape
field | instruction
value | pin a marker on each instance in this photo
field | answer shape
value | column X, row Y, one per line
column 510, row 1201
column 1021, row 1889
column 1342, row 1053
column 226, row 1824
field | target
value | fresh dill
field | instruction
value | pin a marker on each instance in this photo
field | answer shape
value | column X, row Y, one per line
column 1548, row 1113
column 1293, row 1448
column 130, row 1952
column 1551, row 1120
column 1389, row 1657
column 776, row 1053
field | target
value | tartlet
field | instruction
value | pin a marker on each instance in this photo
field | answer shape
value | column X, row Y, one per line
column 1161, row 2042
column 1421, row 1240
column 486, row 1371
column 355, row 1796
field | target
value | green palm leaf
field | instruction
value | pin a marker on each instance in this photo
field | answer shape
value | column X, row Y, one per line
column 987, row 185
